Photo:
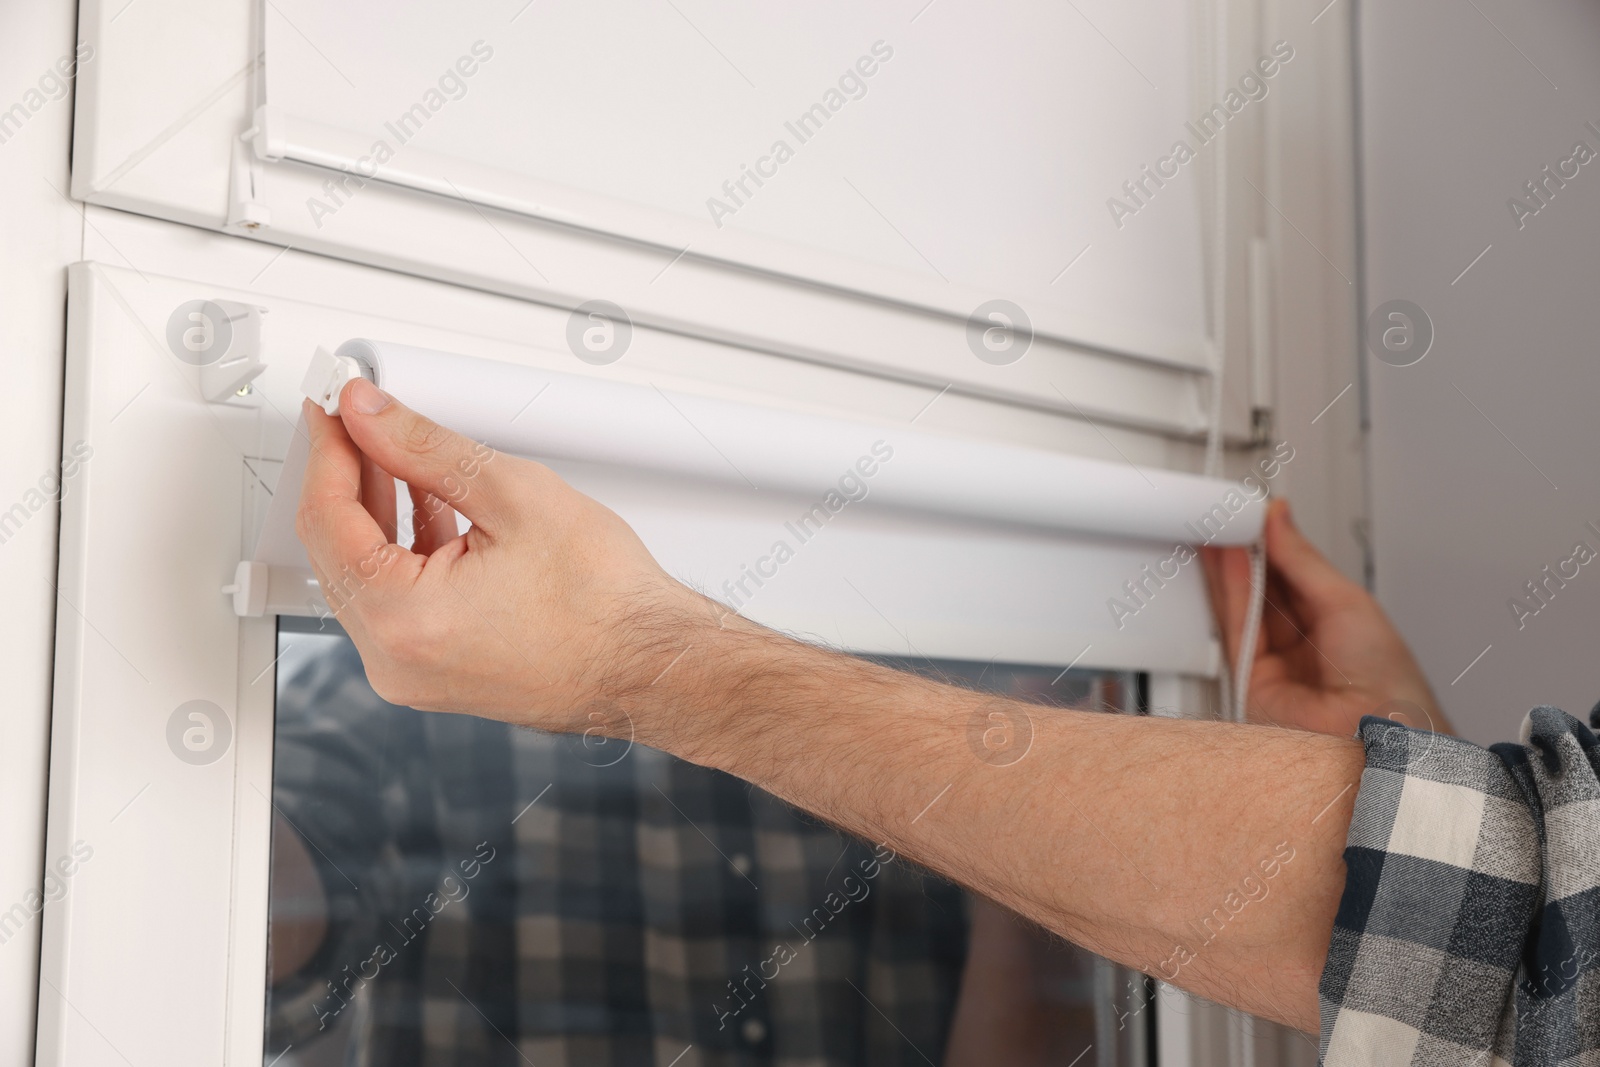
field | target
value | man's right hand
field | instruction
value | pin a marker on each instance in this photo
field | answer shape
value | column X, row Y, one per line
column 1327, row 654
column 547, row 608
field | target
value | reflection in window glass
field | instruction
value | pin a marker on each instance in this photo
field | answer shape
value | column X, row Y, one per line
column 448, row 890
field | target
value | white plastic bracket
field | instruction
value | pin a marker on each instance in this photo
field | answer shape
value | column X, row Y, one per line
column 326, row 377
column 266, row 135
column 262, row 142
column 222, row 379
column 245, row 209
column 260, row 589
column 249, row 589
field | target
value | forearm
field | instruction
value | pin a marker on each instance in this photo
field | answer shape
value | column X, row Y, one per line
column 1203, row 853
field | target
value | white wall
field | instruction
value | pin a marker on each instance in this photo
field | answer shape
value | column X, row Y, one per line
column 1470, row 502
column 40, row 233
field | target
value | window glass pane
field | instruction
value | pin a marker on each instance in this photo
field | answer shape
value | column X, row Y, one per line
column 455, row 891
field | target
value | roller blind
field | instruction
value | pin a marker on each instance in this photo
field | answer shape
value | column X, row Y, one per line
column 929, row 156
column 822, row 525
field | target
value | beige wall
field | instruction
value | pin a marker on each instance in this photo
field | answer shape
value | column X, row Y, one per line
column 1485, row 456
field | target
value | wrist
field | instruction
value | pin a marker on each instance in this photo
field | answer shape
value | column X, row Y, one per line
column 756, row 703
column 713, row 682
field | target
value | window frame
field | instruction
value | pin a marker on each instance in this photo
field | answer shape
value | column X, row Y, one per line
column 170, row 625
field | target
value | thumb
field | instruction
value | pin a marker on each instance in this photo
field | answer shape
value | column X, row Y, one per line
column 412, row 447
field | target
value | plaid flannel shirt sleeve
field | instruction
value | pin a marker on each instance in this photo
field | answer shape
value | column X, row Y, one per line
column 1469, row 931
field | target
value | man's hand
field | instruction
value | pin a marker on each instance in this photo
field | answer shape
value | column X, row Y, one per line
column 546, row 611
column 1327, row 654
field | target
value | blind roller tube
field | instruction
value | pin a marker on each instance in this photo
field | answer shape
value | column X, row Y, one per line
column 556, row 416
column 553, row 415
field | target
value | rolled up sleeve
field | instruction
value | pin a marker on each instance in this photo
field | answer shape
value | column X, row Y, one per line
column 1469, row 928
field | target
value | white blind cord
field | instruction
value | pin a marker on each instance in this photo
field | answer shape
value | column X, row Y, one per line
column 1252, row 631
column 1225, row 685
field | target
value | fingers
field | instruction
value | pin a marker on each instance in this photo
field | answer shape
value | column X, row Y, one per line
column 340, row 533
column 1227, row 572
column 1315, row 582
column 432, row 521
column 448, row 466
column 377, row 496
column 1294, row 567
column 1211, row 563
column 1281, row 621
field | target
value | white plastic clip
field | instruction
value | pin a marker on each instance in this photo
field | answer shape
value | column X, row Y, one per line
column 249, row 589
column 222, row 378
column 260, row 589
column 266, row 136
column 245, row 209
column 326, row 376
